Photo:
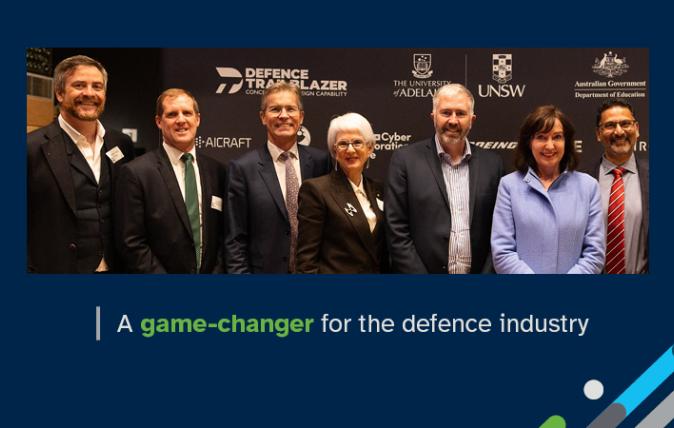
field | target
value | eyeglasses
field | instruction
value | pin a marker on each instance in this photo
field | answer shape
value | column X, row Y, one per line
column 626, row 125
column 344, row 145
column 277, row 110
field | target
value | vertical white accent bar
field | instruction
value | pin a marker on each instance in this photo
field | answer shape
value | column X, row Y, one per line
column 98, row 323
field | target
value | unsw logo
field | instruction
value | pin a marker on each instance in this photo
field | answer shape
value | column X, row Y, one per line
column 502, row 73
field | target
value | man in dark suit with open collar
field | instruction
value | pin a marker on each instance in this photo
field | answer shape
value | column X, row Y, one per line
column 618, row 132
column 72, row 166
column 171, row 207
column 261, row 232
column 441, row 192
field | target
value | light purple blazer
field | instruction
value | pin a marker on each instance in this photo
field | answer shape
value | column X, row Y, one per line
column 556, row 231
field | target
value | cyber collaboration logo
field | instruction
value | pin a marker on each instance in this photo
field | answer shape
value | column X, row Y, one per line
column 502, row 67
column 610, row 65
column 389, row 141
column 303, row 136
column 422, row 65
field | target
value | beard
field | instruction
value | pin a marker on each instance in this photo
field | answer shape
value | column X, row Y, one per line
column 72, row 109
column 454, row 139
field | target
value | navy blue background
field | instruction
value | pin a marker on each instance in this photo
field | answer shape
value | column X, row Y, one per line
column 56, row 374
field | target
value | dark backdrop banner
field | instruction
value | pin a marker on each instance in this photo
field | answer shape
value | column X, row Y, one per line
column 393, row 88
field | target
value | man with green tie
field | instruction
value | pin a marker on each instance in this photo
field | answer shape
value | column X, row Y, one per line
column 170, row 206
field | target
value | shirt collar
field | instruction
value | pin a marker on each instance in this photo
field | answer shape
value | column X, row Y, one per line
column 275, row 152
column 76, row 136
column 467, row 153
column 175, row 154
column 360, row 187
column 607, row 166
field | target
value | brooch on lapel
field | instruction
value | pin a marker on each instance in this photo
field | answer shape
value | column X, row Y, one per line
column 380, row 202
column 350, row 209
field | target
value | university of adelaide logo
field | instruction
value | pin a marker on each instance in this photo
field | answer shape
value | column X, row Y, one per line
column 422, row 66
column 610, row 65
column 502, row 67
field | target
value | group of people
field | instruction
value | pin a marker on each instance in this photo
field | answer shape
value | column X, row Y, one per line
column 287, row 208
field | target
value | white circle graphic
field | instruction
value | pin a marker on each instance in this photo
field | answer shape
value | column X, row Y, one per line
column 593, row 389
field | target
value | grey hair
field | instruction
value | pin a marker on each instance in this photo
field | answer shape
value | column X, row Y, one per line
column 281, row 86
column 349, row 122
column 453, row 89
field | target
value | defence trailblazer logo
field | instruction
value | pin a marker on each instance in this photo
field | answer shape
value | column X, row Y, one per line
column 422, row 66
column 254, row 80
column 232, row 80
column 610, row 65
column 502, row 73
column 502, row 67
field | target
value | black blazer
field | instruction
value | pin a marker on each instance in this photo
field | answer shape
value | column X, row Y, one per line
column 642, row 168
column 153, row 233
column 333, row 238
column 258, row 239
column 52, row 225
column 418, row 216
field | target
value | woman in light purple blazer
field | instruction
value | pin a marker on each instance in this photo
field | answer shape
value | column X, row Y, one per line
column 548, row 217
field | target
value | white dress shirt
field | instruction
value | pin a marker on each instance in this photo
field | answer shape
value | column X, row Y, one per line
column 364, row 203
column 91, row 154
column 457, row 184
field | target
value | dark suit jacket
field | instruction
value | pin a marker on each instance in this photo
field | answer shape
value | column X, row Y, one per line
column 154, row 233
column 417, row 209
column 332, row 241
column 258, row 240
column 642, row 167
column 52, row 225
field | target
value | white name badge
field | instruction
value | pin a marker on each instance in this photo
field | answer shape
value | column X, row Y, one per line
column 115, row 154
column 216, row 203
column 380, row 204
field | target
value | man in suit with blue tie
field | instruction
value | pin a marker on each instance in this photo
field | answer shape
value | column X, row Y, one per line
column 263, row 186
column 441, row 193
column 170, row 205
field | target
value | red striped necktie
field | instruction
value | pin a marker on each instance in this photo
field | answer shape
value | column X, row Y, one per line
column 615, row 236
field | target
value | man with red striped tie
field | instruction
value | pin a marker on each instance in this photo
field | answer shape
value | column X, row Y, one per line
column 623, row 181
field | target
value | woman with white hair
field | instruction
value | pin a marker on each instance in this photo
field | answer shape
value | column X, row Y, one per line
column 341, row 219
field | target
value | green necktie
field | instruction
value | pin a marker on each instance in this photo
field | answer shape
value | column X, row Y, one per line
column 192, row 204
